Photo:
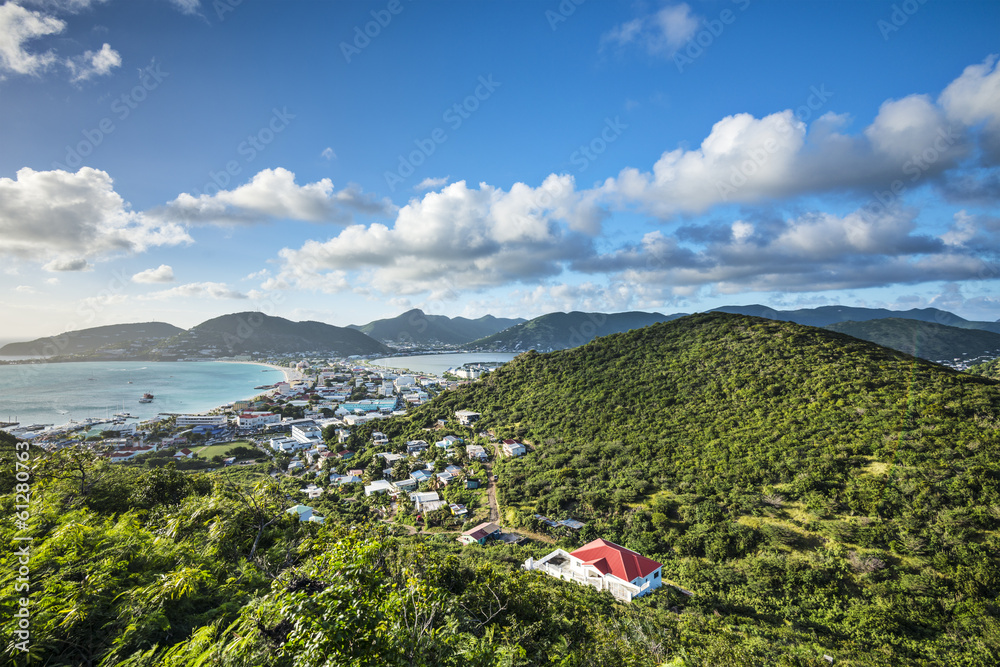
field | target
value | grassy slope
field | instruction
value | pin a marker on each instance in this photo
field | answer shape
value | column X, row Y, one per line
column 789, row 475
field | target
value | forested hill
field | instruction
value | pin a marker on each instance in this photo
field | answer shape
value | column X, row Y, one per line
column 926, row 340
column 88, row 341
column 558, row 331
column 416, row 327
column 792, row 477
column 257, row 333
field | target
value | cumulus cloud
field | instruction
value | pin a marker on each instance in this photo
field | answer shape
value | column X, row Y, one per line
column 161, row 274
column 66, row 218
column 974, row 98
column 94, row 63
column 809, row 252
column 659, row 34
column 272, row 194
column 204, row 290
column 458, row 238
column 18, row 27
column 749, row 160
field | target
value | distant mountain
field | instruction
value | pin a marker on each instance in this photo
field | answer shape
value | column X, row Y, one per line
column 416, row 327
column 926, row 340
column 559, row 331
column 257, row 333
column 95, row 339
column 826, row 315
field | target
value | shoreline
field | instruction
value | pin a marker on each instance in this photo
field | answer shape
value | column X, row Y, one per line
column 291, row 374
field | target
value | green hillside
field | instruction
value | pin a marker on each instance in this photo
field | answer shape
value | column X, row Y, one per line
column 990, row 369
column 558, row 331
column 88, row 341
column 416, row 327
column 926, row 340
column 257, row 333
column 816, row 494
column 812, row 486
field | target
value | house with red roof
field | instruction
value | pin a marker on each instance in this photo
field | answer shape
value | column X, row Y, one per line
column 604, row 565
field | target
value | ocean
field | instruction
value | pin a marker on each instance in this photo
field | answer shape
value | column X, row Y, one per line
column 57, row 393
column 435, row 364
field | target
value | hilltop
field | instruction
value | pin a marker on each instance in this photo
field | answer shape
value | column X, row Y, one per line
column 927, row 340
column 558, row 331
column 827, row 315
column 95, row 339
column 416, row 327
column 806, row 485
column 257, row 333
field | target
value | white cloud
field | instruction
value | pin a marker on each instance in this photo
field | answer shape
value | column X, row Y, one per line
column 749, row 160
column 18, row 26
column 430, row 183
column 161, row 274
column 93, row 63
column 329, row 154
column 205, row 290
column 974, row 98
column 66, row 219
column 660, row 34
column 458, row 238
column 25, row 289
column 272, row 194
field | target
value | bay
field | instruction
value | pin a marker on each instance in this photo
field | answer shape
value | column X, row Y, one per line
column 436, row 364
column 56, row 393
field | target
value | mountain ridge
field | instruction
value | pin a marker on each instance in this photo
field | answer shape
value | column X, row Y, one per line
column 416, row 327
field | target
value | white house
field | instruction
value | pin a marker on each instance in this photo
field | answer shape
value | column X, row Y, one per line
column 379, row 486
column 467, row 417
column 380, row 438
column 427, row 501
column 256, row 419
column 604, row 565
column 476, row 452
column 201, row 420
column 306, row 431
column 513, row 448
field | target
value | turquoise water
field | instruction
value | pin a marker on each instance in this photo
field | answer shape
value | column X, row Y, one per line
column 435, row 364
column 57, row 393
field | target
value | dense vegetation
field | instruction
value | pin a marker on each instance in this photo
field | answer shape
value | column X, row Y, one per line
column 827, row 315
column 815, row 489
column 819, row 495
column 257, row 333
column 86, row 341
column 558, row 331
column 926, row 340
column 417, row 327
column 990, row 369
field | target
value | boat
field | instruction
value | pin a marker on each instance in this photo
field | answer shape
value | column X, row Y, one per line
column 146, row 398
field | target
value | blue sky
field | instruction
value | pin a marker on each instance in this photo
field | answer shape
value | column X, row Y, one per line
column 176, row 160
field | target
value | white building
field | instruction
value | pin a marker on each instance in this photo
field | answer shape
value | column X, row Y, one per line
column 604, row 565
column 256, row 419
column 306, row 431
column 467, row 417
column 201, row 420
